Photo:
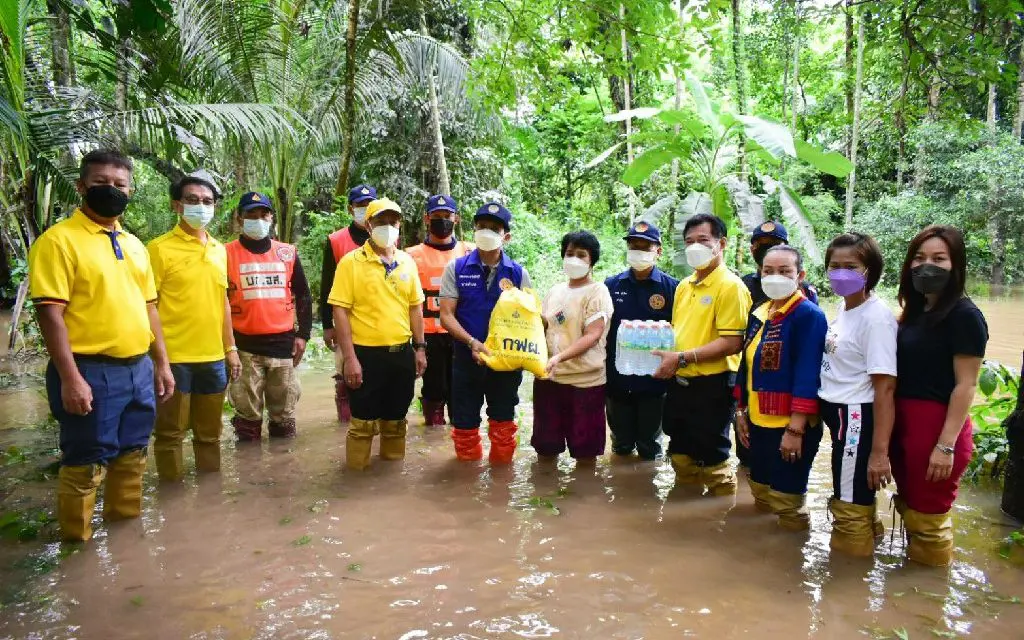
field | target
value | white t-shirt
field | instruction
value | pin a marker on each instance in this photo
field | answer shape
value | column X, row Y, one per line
column 860, row 343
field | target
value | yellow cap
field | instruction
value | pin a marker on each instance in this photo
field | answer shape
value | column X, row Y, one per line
column 380, row 206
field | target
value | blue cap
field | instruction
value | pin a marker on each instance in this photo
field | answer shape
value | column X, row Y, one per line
column 770, row 229
column 254, row 199
column 644, row 231
column 495, row 211
column 441, row 203
column 361, row 193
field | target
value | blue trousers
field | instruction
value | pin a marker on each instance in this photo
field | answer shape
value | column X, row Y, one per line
column 203, row 378
column 122, row 416
column 768, row 467
column 472, row 384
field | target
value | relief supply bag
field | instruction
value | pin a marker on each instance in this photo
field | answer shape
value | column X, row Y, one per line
column 515, row 336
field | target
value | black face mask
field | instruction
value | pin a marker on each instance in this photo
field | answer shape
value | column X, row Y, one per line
column 929, row 278
column 106, row 201
column 441, row 228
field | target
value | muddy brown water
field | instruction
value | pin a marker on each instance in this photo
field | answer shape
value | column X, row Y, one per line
column 285, row 543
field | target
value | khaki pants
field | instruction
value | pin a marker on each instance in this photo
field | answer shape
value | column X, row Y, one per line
column 265, row 381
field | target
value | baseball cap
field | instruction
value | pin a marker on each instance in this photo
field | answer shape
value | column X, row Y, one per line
column 361, row 193
column 441, row 203
column 380, row 206
column 254, row 199
column 644, row 231
column 770, row 229
column 495, row 211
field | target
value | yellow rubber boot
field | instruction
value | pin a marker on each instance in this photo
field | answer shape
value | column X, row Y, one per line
column 929, row 537
column 76, row 500
column 720, row 479
column 358, row 443
column 392, row 439
column 758, row 490
column 791, row 510
column 687, row 471
column 206, row 412
column 122, row 494
column 853, row 528
column 168, row 433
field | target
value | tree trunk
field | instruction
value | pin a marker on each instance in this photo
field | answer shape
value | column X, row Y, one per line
column 921, row 159
column 996, row 215
column 900, row 120
column 851, row 184
column 435, row 121
column 796, row 65
column 350, row 99
column 60, row 45
column 284, row 215
column 1018, row 118
column 677, row 104
column 739, row 77
column 848, row 79
column 626, row 93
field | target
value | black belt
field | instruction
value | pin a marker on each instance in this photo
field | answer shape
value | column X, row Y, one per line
column 102, row 359
column 395, row 348
column 714, row 378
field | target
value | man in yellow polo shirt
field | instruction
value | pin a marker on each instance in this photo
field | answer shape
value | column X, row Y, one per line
column 377, row 300
column 709, row 317
column 190, row 268
column 96, row 301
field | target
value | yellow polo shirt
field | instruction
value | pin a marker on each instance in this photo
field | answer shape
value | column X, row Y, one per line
column 192, row 282
column 377, row 302
column 753, row 406
column 74, row 264
column 704, row 311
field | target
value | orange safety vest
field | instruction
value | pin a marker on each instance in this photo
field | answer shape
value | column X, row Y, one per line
column 342, row 244
column 431, row 263
column 260, row 288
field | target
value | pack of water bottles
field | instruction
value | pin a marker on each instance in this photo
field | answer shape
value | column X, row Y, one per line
column 635, row 342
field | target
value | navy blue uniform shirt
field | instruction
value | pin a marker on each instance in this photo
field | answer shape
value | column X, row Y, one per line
column 649, row 299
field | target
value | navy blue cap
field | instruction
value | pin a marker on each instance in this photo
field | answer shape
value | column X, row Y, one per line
column 361, row 192
column 770, row 229
column 644, row 231
column 495, row 211
column 254, row 199
column 441, row 203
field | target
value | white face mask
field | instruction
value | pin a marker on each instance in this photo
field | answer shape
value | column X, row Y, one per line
column 384, row 235
column 197, row 216
column 359, row 214
column 641, row 260
column 575, row 268
column 778, row 287
column 256, row 229
column 699, row 255
column 488, row 240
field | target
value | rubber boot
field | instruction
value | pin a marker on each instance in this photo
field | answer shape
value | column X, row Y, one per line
column 929, row 537
column 358, row 443
column 720, row 479
column 433, row 413
column 758, row 490
column 686, row 468
column 76, row 499
column 172, row 418
column 853, row 528
column 502, row 435
column 206, row 411
column 341, row 400
column 392, row 439
column 467, row 444
column 122, row 493
column 281, row 428
column 247, row 430
column 791, row 510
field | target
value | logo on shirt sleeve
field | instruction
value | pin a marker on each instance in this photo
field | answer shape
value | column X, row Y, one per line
column 657, row 302
column 504, row 284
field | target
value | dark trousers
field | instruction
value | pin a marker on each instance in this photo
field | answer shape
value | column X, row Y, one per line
column 123, row 410
column 200, row 377
column 389, row 381
column 853, row 428
column 767, row 465
column 698, row 417
column 635, row 422
column 473, row 384
column 437, row 379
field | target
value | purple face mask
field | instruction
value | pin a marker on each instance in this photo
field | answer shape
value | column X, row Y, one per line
column 846, row 282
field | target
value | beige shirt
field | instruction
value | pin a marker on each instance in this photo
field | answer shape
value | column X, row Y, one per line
column 568, row 312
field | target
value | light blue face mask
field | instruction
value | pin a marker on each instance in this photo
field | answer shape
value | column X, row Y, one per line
column 197, row 216
column 256, row 229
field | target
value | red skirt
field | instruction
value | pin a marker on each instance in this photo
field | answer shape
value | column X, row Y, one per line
column 914, row 436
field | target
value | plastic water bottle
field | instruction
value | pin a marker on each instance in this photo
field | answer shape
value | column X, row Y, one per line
column 651, row 340
column 622, row 348
column 668, row 336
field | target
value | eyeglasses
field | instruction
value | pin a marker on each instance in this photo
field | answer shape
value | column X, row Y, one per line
column 197, row 200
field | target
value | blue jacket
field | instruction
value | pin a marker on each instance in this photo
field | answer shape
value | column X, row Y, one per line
column 787, row 364
column 476, row 301
column 633, row 299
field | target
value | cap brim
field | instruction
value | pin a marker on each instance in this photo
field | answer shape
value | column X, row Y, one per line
column 362, row 199
column 256, row 205
column 637, row 236
column 442, row 207
column 491, row 216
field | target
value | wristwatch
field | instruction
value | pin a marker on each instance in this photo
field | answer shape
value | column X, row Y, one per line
column 682, row 360
column 945, row 449
column 419, row 345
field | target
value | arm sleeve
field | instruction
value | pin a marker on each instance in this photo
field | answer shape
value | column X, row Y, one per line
column 303, row 301
column 51, row 272
column 449, row 285
column 416, row 296
column 597, row 306
column 156, row 264
column 526, row 283
column 969, row 331
column 879, row 339
column 808, row 343
column 342, row 293
column 733, row 310
column 327, row 270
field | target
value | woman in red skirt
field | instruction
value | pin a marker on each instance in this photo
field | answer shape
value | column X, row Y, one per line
column 940, row 345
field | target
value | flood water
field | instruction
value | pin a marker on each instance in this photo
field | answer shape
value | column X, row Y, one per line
column 286, row 543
